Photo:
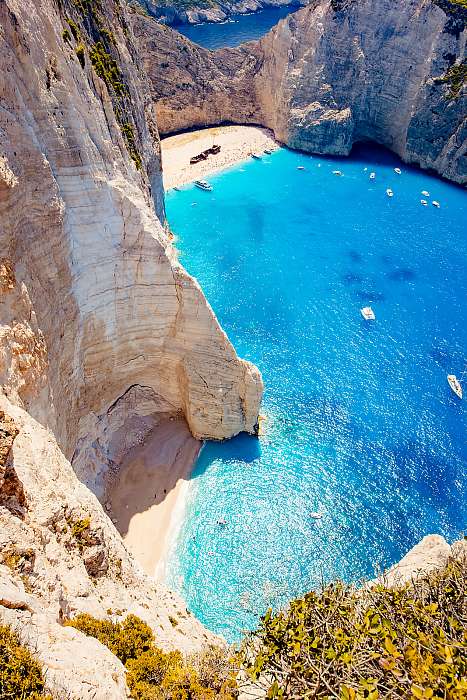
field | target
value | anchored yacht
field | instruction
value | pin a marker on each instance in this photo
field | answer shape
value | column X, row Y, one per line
column 368, row 313
column 455, row 385
column 203, row 185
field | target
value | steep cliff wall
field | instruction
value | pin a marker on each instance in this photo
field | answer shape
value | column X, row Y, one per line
column 100, row 329
column 95, row 301
column 328, row 76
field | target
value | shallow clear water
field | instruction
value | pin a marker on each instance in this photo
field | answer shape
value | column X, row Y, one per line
column 238, row 29
column 361, row 423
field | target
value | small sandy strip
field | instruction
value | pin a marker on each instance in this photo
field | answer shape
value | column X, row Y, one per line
column 147, row 502
column 236, row 142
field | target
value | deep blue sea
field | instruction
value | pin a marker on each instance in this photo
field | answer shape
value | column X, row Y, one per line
column 238, row 29
column 361, row 423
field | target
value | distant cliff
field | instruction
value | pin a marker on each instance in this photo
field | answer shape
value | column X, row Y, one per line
column 328, row 76
column 175, row 12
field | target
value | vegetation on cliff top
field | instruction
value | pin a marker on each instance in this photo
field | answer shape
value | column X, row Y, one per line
column 96, row 41
column 368, row 644
column 21, row 676
column 155, row 675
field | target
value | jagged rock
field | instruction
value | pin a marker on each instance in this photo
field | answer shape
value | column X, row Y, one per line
column 11, row 489
column 430, row 554
column 70, row 558
column 324, row 78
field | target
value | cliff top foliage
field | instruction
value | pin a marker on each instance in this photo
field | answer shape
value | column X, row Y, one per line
column 368, row 644
column 155, row 675
column 94, row 42
column 21, row 675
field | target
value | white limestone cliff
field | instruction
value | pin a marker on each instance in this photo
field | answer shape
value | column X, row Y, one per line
column 97, row 300
column 101, row 332
column 326, row 77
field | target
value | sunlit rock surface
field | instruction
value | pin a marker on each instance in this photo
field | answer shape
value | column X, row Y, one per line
column 324, row 79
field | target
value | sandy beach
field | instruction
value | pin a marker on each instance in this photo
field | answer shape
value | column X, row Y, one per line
column 236, row 142
column 147, row 502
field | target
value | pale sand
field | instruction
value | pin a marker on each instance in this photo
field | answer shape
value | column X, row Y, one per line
column 145, row 516
column 236, row 142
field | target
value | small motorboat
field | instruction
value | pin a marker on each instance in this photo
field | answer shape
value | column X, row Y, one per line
column 256, row 156
column 337, row 172
column 455, row 385
column 372, row 176
column 398, row 171
column 203, row 185
column 300, row 167
column 365, row 169
column 425, row 193
column 368, row 313
column 268, row 151
column 316, row 516
column 389, row 192
column 423, row 202
column 436, row 204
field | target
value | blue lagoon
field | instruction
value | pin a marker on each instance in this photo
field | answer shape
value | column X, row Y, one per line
column 361, row 424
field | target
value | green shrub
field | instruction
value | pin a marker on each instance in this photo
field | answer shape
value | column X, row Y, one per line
column 20, row 674
column 372, row 643
column 456, row 78
column 81, row 55
column 74, row 28
column 127, row 640
column 155, row 675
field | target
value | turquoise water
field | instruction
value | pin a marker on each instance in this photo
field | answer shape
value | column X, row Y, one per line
column 238, row 29
column 361, row 423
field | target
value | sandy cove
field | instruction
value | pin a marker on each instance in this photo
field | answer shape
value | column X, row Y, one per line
column 147, row 501
column 236, row 142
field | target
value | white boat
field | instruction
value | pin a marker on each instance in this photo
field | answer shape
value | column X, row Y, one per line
column 425, row 193
column 203, row 185
column 455, row 385
column 398, row 171
column 337, row 172
column 423, row 202
column 435, row 204
column 365, row 169
column 389, row 192
column 268, row 151
column 257, row 156
column 368, row 313
column 316, row 516
column 372, row 176
column 300, row 167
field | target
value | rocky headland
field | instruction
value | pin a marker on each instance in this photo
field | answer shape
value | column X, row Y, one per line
column 174, row 12
column 326, row 77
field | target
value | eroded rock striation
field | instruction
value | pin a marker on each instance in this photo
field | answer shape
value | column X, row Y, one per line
column 93, row 299
column 329, row 76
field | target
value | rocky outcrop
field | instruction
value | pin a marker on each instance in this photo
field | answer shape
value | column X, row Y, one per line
column 173, row 12
column 326, row 77
column 65, row 557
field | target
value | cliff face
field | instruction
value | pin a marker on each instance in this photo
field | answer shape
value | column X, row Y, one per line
column 326, row 77
column 101, row 330
column 94, row 300
column 176, row 12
